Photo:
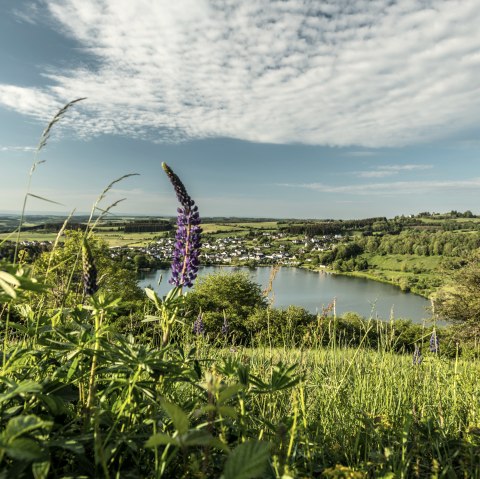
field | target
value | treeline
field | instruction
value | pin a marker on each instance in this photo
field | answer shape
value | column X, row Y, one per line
column 330, row 227
column 152, row 226
column 421, row 243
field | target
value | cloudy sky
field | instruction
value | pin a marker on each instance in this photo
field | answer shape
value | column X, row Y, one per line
column 280, row 108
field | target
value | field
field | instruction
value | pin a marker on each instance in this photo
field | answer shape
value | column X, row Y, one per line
column 400, row 269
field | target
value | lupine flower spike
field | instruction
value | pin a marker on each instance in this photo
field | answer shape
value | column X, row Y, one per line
column 198, row 326
column 417, row 356
column 187, row 239
column 434, row 342
column 90, row 286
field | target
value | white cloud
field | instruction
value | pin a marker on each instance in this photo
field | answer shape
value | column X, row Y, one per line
column 391, row 188
column 17, row 148
column 368, row 73
column 391, row 170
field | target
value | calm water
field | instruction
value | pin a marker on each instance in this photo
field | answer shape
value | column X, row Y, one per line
column 313, row 290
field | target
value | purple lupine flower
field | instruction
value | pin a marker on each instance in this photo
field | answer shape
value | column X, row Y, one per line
column 89, row 271
column 186, row 251
column 199, row 326
column 417, row 356
column 434, row 342
column 225, row 326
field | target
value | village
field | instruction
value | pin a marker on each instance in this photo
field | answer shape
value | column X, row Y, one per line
column 259, row 248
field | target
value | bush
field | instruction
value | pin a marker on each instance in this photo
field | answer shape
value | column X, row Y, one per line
column 233, row 296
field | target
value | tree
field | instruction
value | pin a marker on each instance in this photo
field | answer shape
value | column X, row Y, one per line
column 225, row 295
column 459, row 302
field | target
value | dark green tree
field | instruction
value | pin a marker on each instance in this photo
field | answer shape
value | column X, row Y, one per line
column 459, row 301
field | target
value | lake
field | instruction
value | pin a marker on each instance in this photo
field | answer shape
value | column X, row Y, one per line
column 312, row 290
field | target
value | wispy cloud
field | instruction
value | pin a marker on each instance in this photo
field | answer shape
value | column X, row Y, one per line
column 28, row 13
column 17, row 148
column 369, row 73
column 392, row 188
column 383, row 171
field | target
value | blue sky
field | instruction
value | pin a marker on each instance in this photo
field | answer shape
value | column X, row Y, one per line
column 293, row 108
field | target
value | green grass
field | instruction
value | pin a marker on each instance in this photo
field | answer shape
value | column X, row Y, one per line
column 419, row 274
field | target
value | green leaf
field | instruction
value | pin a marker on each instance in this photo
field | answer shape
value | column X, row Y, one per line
column 8, row 289
column 149, row 318
column 20, row 388
column 54, row 404
column 24, row 449
column 152, row 296
column 69, row 445
column 9, row 278
column 196, row 437
column 160, row 439
column 229, row 392
column 247, row 461
column 19, row 425
column 40, row 469
column 177, row 415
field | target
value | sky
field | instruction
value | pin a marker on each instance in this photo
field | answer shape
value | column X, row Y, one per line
column 280, row 108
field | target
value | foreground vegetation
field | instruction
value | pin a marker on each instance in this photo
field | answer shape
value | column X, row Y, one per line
column 99, row 379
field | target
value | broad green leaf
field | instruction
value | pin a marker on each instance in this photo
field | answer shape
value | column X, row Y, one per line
column 8, row 289
column 247, row 461
column 20, row 425
column 24, row 449
column 196, row 437
column 177, row 415
column 55, row 405
column 9, row 278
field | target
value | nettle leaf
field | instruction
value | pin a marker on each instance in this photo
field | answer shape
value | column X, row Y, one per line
column 177, row 415
column 247, row 461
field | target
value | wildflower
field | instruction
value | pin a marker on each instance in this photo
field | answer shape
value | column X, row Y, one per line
column 434, row 342
column 186, row 251
column 90, row 286
column 417, row 356
column 225, row 326
column 199, row 326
